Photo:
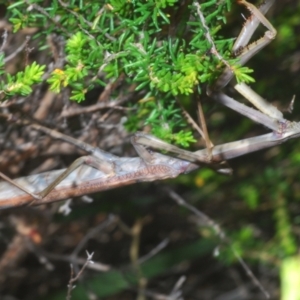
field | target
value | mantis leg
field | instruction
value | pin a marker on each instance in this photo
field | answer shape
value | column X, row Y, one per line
column 240, row 48
column 141, row 140
column 225, row 151
column 155, row 143
column 244, row 54
column 98, row 159
column 104, row 166
column 250, row 113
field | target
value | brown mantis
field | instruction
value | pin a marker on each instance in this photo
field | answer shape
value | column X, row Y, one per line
column 101, row 170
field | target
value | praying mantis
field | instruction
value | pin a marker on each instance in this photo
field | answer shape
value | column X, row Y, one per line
column 100, row 170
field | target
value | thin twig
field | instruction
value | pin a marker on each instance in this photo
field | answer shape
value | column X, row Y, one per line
column 209, row 144
column 18, row 50
column 163, row 244
column 220, row 233
column 190, row 120
column 4, row 36
column 80, row 19
column 208, row 36
column 96, row 266
column 110, row 220
column 73, row 279
column 71, row 112
column 44, row 12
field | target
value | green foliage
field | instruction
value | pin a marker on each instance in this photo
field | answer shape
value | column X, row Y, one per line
column 2, row 64
column 21, row 83
column 287, row 243
column 160, row 45
column 250, row 195
column 76, row 69
column 283, row 242
column 242, row 240
column 164, row 121
column 241, row 74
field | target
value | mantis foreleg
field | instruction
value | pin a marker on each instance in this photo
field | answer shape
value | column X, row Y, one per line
column 244, row 54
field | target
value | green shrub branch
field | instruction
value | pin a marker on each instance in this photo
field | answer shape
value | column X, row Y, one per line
column 161, row 46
